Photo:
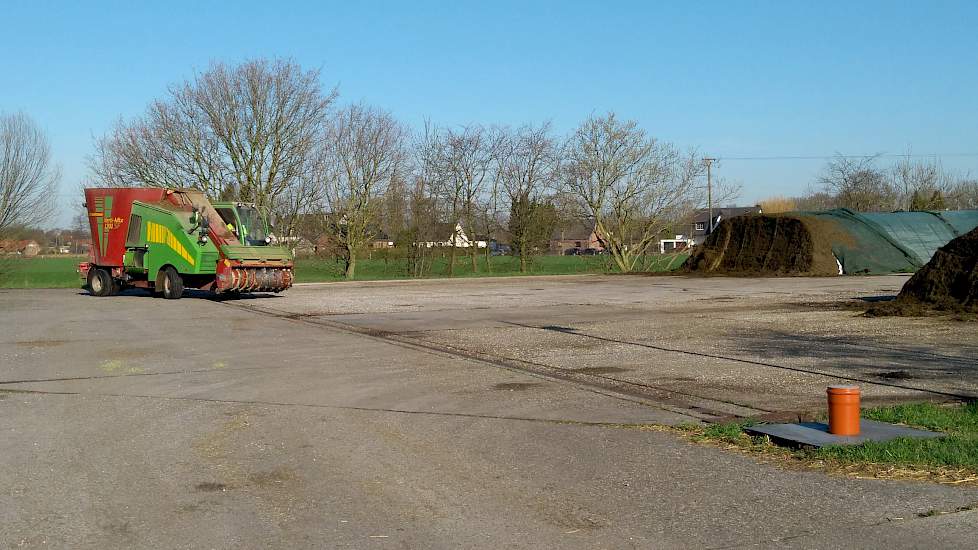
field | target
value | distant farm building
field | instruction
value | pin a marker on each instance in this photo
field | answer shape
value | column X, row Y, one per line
column 576, row 235
column 20, row 247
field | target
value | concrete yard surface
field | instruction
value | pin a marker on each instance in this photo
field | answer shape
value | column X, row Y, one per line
column 476, row 413
column 728, row 345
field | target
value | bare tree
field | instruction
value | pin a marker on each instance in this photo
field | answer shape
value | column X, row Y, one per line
column 927, row 181
column 467, row 158
column 244, row 132
column 859, row 185
column 394, row 218
column 491, row 217
column 440, row 178
column 630, row 186
column 28, row 178
column 421, row 229
column 528, row 168
column 302, row 197
column 430, row 181
column 170, row 146
column 964, row 195
column 367, row 153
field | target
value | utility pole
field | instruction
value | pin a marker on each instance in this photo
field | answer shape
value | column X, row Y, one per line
column 709, row 188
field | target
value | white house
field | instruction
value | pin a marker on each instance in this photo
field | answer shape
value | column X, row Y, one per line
column 681, row 242
column 700, row 226
column 446, row 236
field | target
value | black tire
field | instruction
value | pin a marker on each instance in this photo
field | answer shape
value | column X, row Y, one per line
column 170, row 283
column 100, row 282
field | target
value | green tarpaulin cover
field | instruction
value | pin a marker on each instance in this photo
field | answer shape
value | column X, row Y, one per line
column 893, row 242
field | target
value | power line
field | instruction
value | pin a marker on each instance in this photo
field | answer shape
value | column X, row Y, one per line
column 830, row 157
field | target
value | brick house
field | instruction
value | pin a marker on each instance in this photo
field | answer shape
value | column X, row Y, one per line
column 578, row 235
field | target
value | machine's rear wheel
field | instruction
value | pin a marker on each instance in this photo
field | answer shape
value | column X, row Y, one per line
column 170, row 283
column 100, row 282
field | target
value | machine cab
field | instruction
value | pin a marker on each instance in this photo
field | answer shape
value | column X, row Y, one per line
column 246, row 222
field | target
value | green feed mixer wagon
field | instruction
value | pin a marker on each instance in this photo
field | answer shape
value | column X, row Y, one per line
column 166, row 240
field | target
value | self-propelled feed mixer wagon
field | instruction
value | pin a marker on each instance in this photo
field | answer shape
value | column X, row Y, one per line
column 166, row 240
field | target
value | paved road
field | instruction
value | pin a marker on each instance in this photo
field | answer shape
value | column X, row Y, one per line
column 132, row 422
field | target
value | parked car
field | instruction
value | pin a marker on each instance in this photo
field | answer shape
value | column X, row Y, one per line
column 572, row 252
column 591, row 252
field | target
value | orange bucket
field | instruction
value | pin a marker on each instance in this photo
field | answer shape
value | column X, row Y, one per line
column 843, row 410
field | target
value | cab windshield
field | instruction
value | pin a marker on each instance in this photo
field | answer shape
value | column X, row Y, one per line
column 252, row 231
column 246, row 223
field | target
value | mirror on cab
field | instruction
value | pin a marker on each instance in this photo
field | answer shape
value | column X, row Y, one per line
column 205, row 226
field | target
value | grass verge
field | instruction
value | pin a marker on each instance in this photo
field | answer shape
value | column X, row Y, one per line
column 952, row 459
column 60, row 271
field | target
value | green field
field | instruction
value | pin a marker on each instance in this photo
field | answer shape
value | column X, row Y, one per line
column 61, row 271
column 40, row 272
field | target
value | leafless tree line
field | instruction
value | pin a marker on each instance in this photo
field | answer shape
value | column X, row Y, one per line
column 864, row 184
column 267, row 132
column 608, row 175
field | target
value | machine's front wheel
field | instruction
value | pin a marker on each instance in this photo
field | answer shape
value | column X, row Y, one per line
column 170, row 282
column 100, row 282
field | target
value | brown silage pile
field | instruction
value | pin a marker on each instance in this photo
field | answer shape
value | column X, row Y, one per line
column 768, row 245
column 949, row 282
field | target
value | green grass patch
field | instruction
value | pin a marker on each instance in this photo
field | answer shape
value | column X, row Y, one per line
column 728, row 432
column 61, row 271
column 958, row 449
column 951, row 451
column 950, row 459
column 929, row 416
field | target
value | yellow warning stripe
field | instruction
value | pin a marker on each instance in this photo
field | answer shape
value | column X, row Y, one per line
column 156, row 233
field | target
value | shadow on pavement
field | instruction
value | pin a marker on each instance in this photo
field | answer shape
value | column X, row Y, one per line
column 868, row 358
column 189, row 293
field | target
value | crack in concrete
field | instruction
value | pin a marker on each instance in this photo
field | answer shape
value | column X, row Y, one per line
column 609, row 386
column 557, row 421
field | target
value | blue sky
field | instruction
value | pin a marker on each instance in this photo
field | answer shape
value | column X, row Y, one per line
column 733, row 79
